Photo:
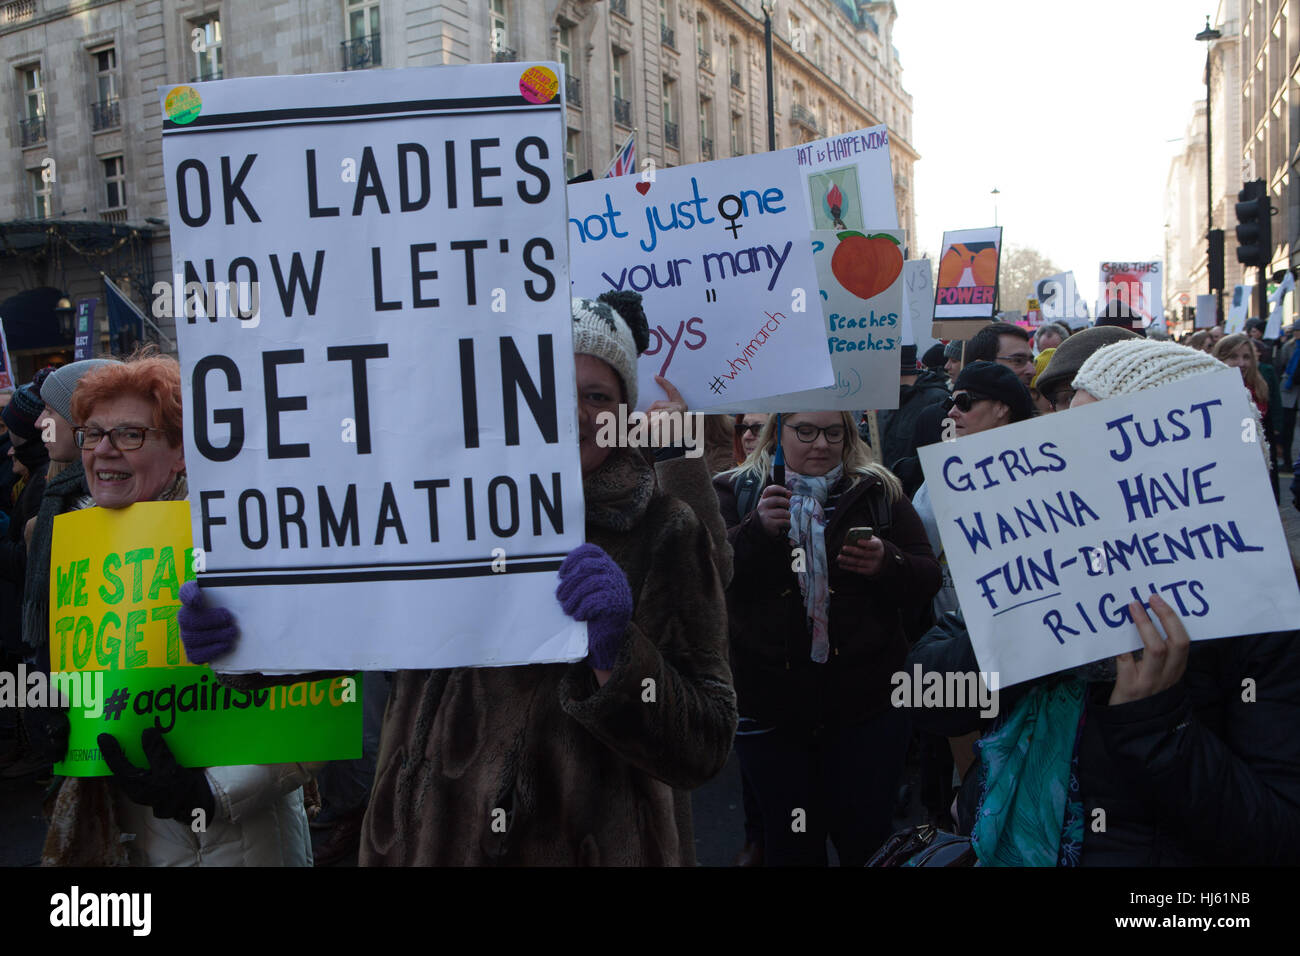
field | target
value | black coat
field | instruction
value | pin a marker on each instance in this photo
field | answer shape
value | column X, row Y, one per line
column 776, row 680
column 1192, row 775
column 898, row 435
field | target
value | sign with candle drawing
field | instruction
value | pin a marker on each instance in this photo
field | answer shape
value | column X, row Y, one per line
column 850, row 182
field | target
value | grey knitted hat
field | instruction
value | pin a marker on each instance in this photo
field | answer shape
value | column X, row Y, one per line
column 1123, row 368
column 57, row 389
column 613, row 328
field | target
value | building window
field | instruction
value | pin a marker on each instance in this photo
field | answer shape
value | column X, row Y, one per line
column 564, row 53
column 819, row 53
column 703, row 42
column 798, row 39
column 31, row 124
column 622, row 106
column 733, row 61
column 114, row 183
column 706, row 128
column 40, row 195
column 205, row 42
column 667, row 30
column 572, row 143
column 502, row 52
column 671, row 134
column 737, row 135
column 361, row 49
column 104, row 111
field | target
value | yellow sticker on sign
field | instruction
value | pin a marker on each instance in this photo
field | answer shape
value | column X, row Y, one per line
column 183, row 105
column 115, row 580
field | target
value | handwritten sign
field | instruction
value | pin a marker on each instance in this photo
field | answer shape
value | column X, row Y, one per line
column 861, row 280
column 390, row 438
column 1053, row 525
column 115, row 577
column 1135, row 285
column 918, row 304
column 1235, row 320
column 850, row 181
column 720, row 253
column 1059, row 300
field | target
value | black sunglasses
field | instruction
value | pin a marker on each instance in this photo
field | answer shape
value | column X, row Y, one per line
column 963, row 402
column 753, row 429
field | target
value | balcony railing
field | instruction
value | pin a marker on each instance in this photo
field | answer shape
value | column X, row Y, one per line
column 735, row 78
column 804, row 117
column 622, row 112
column 706, row 60
column 668, row 36
column 18, row 11
column 112, row 215
column 32, row 131
column 505, row 55
column 706, row 149
column 105, row 115
column 572, row 89
column 362, row 53
column 208, row 77
column 670, row 134
column 619, row 7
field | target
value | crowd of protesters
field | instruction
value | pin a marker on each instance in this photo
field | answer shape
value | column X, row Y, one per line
column 770, row 589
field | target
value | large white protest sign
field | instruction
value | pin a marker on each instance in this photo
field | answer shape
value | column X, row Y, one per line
column 1133, row 285
column 1238, row 310
column 918, row 304
column 720, row 252
column 1206, row 309
column 1059, row 300
column 383, row 459
column 1052, row 526
column 849, row 181
column 861, row 285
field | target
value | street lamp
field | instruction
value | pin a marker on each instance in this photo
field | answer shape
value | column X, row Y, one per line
column 1209, row 34
column 995, row 194
column 768, row 6
column 63, row 312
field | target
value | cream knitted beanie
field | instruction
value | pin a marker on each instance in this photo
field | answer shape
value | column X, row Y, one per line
column 1132, row 365
column 612, row 328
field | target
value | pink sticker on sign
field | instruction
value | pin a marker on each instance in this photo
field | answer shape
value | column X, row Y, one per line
column 539, row 84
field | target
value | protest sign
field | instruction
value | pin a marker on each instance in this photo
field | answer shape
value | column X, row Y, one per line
column 1059, row 300
column 1053, row 525
column 1277, row 299
column 966, row 293
column 84, row 341
column 1135, row 285
column 1206, row 311
column 918, row 304
column 383, row 456
column 720, row 252
column 1235, row 320
column 115, row 577
column 7, row 383
column 861, row 284
column 849, row 181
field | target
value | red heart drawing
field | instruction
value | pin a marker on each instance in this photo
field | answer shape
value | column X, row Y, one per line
column 643, row 187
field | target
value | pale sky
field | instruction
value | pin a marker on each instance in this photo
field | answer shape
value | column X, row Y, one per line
column 1066, row 108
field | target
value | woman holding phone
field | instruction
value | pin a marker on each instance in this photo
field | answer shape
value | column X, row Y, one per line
column 816, row 633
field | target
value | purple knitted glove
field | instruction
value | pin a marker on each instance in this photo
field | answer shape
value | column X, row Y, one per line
column 593, row 588
column 206, row 632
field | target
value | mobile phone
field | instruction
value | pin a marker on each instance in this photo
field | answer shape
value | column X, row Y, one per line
column 858, row 535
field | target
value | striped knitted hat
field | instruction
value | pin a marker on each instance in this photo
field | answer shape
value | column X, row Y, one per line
column 1133, row 365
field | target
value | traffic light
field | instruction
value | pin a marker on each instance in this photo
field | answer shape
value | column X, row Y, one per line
column 1216, row 259
column 1254, row 226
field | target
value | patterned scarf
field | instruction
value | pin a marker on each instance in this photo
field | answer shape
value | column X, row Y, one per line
column 1030, row 813
column 808, row 531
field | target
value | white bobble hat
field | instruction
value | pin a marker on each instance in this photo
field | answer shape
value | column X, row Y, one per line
column 1133, row 365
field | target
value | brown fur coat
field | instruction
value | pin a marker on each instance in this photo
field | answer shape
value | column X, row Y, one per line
column 537, row 765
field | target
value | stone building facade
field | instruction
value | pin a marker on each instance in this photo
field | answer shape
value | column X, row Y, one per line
column 688, row 76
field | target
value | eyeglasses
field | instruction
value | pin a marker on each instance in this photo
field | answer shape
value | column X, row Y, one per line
column 1019, row 360
column 753, row 429
column 123, row 438
column 1061, row 398
column 808, row 433
column 963, row 402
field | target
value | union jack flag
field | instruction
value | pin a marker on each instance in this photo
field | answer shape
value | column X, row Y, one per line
column 624, row 160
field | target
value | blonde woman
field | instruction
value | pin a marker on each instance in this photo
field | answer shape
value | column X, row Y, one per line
column 816, row 633
column 1238, row 350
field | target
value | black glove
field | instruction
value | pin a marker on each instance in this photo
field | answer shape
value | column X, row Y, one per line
column 173, row 791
